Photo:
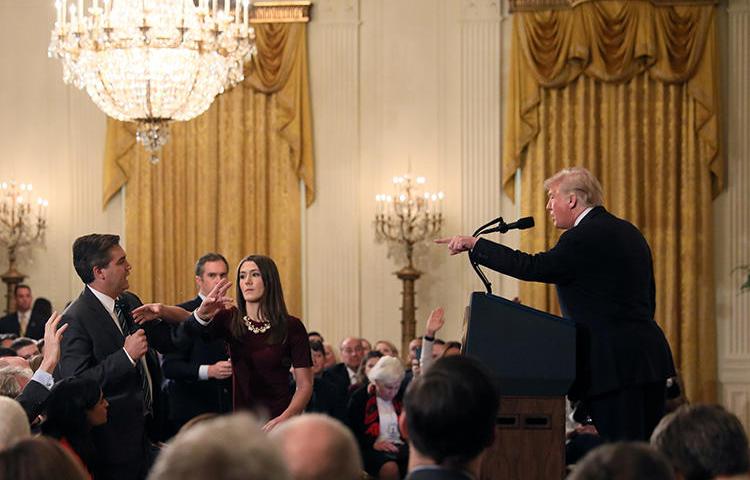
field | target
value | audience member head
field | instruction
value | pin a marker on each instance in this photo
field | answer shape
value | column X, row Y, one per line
column 209, row 270
column 315, row 336
column 366, row 346
column 13, row 377
column 190, row 424
column 365, row 366
column 100, row 261
column 258, row 282
column 449, row 412
column 39, row 458
column 331, row 359
column 703, row 442
column 14, row 425
column 438, row 348
column 318, row 357
column 7, row 351
column 452, row 348
column 387, row 375
column 42, row 308
column 230, row 447
column 386, row 348
column 25, row 347
column 623, row 461
column 351, row 352
column 35, row 362
column 75, row 405
column 23, row 297
column 317, row 447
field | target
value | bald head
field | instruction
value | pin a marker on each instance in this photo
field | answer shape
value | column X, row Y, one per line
column 351, row 352
column 317, row 447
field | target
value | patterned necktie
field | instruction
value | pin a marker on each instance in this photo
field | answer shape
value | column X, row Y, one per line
column 128, row 327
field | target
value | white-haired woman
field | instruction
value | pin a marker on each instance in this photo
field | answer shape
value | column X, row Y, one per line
column 373, row 417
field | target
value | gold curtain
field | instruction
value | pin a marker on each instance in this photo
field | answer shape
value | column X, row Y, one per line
column 628, row 90
column 228, row 181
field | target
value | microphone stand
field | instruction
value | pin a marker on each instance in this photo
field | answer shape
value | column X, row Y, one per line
column 479, row 231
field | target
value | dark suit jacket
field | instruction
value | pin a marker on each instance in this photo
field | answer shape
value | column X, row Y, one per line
column 603, row 272
column 35, row 328
column 33, row 399
column 188, row 395
column 92, row 347
column 338, row 375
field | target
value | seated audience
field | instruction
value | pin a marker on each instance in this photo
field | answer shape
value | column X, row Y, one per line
column 368, row 361
column 366, row 346
column 315, row 337
column 325, row 397
column 343, row 374
column 449, row 419
column 13, row 377
column 317, row 447
column 623, row 461
column 230, row 447
column 331, row 359
column 451, row 349
column 24, row 322
column 39, row 458
column 703, row 442
column 25, row 347
column 386, row 348
column 14, row 425
column 75, row 406
column 6, row 339
column 373, row 417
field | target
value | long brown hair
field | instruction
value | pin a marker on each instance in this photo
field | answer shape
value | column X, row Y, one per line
column 272, row 305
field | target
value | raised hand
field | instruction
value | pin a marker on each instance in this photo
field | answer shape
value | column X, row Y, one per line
column 435, row 321
column 458, row 244
column 215, row 301
column 52, row 338
column 154, row 311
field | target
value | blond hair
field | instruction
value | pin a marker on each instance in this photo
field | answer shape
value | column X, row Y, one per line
column 388, row 370
column 579, row 181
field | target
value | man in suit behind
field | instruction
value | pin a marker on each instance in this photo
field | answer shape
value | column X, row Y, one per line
column 200, row 371
column 343, row 374
column 603, row 272
column 103, row 343
column 23, row 322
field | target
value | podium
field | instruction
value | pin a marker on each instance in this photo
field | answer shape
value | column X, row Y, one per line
column 532, row 357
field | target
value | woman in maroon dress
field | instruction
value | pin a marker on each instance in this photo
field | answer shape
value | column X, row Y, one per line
column 264, row 340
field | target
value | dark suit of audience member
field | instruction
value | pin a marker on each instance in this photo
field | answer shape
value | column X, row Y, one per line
column 603, row 272
column 34, row 329
column 326, row 399
column 338, row 375
column 190, row 396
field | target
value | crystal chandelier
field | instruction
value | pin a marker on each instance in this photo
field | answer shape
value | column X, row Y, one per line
column 153, row 61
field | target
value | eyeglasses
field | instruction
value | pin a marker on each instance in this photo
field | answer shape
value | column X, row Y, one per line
column 352, row 350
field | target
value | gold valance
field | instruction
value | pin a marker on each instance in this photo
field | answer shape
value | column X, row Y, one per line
column 612, row 41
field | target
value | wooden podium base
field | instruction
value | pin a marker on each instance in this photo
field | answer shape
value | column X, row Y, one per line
column 529, row 440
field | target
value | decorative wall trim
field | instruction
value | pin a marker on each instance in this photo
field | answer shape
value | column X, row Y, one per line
column 531, row 5
column 281, row 12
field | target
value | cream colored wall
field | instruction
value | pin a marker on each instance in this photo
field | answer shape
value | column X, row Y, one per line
column 52, row 136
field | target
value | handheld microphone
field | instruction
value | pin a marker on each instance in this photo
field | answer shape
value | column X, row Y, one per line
column 520, row 224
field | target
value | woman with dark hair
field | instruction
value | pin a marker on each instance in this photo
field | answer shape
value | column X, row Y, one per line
column 368, row 361
column 74, row 407
column 264, row 340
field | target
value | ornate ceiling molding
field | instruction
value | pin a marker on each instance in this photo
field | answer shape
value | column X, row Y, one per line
column 532, row 5
column 281, row 12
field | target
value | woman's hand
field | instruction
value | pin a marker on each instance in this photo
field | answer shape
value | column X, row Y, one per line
column 435, row 321
column 215, row 301
column 147, row 312
column 271, row 424
column 384, row 446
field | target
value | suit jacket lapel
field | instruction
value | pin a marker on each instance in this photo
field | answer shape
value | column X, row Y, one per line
column 102, row 320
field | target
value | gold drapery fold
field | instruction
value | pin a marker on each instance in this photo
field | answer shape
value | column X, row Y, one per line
column 629, row 91
column 228, row 180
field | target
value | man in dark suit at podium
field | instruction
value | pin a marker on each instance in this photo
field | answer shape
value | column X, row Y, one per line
column 603, row 272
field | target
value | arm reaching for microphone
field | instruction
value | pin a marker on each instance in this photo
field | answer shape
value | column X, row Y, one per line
column 458, row 243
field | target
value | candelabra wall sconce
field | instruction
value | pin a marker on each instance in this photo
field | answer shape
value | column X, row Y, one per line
column 405, row 220
column 22, row 224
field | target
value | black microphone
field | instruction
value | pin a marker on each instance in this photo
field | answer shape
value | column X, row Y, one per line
column 520, row 224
